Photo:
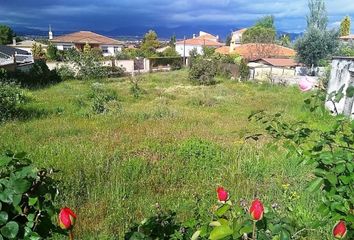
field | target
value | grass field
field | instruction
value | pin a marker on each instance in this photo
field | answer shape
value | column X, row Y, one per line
column 115, row 166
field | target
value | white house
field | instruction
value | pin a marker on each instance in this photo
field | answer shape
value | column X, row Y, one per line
column 236, row 38
column 26, row 45
column 109, row 46
column 204, row 39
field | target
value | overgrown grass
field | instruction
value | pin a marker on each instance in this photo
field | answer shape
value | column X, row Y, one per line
column 175, row 143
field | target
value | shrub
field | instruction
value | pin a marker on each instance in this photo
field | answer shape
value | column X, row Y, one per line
column 26, row 199
column 65, row 72
column 11, row 97
column 244, row 70
column 103, row 100
column 203, row 72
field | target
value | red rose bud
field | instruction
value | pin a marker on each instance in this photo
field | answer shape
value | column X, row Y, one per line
column 222, row 194
column 67, row 218
column 340, row 230
column 257, row 210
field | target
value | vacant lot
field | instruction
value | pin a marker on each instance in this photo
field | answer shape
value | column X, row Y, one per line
column 172, row 144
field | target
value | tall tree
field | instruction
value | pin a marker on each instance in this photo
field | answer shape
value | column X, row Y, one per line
column 172, row 41
column 285, row 40
column 262, row 32
column 317, row 17
column 345, row 26
column 318, row 43
column 6, row 34
column 150, row 43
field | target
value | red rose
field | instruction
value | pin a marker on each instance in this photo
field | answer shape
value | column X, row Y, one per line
column 257, row 210
column 222, row 194
column 67, row 218
column 340, row 230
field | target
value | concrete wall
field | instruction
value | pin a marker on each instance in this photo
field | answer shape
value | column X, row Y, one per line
column 342, row 75
column 189, row 48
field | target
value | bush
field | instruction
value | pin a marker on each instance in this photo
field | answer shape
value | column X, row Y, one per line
column 26, row 199
column 203, row 72
column 65, row 72
column 11, row 96
column 244, row 70
column 103, row 100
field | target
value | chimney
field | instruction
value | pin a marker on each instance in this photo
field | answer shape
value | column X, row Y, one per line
column 193, row 35
column 50, row 33
column 14, row 41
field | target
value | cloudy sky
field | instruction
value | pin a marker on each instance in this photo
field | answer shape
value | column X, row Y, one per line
column 112, row 14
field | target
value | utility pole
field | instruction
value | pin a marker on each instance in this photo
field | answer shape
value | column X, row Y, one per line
column 184, row 50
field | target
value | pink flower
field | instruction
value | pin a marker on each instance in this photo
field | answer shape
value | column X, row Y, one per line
column 305, row 84
column 222, row 194
column 67, row 218
column 340, row 230
column 257, row 210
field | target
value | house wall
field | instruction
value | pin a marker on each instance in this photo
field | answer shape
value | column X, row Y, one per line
column 189, row 48
column 110, row 48
column 236, row 40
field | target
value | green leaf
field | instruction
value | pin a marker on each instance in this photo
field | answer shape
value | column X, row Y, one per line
column 332, row 178
column 284, row 235
column 248, row 228
column 350, row 91
column 17, row 199
column 10, row 230
column 32, row 201
column 222, row 210
column 3, row 217
column 220, row 232
column 340, row 168
column 6, row 196
column 20, row 155
column 4, row 160
column 195, row 236
column 21, row 185
column 315, row 185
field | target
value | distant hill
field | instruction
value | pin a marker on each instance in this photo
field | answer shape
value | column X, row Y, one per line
column 137, row 32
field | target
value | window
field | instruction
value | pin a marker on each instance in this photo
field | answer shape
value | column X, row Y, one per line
column 104, row 49
column 67, row 47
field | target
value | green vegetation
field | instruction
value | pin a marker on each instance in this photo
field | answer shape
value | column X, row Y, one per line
column 318, row 43
column 6, row 35
column 345, row 26
column 262, row 32
column 172, row 145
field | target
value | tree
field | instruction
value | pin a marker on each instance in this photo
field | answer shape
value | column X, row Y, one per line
column 262, row 32
column 259, row 34
column 284, row 40
column 317, row 18
column 170, row 52
column 266, row 22
column 172, row 41
column 6, row 35
column 52, row 52
column 150, row 43
column 345, row 26
column 37, row 51
column 317, row 43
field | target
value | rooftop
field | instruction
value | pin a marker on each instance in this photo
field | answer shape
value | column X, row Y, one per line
column 84, row 37
column 10, row 51
column 280, row 62
column 26, row 44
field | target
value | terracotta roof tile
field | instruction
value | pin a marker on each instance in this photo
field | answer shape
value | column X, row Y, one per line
column 201, row 42
column 254, row 51
column 281, row 62
column 86, row 37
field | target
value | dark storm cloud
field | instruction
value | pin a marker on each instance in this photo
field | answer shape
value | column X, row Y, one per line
column 110, row 14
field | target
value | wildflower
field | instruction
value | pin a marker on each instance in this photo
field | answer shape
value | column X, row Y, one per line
column 67, row 218
column 223, row 195
column 257, row 210
column 340, row 230
column 305, row 85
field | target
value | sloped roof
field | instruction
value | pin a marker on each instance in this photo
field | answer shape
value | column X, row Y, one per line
column 280, row 62
column 351, row 36
column 255, row 51
column 27, row 44
column 201, row 42
column 223, row 50
column 10, row 51
column 205, row 35
column 84, row 37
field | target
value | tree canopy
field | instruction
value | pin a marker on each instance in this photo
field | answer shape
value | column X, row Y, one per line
column 262, row 32
column 150, row 43
column 6, row 34
column 317, row 17
column 345, row 26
